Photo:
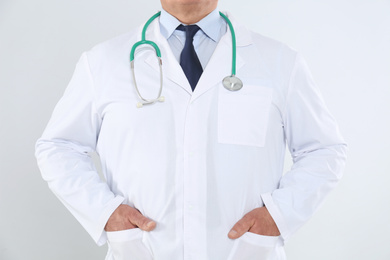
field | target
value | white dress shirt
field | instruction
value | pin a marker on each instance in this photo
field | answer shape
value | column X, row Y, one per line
column 212, row 27
column 199, row 161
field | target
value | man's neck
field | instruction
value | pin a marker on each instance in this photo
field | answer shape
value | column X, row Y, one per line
column 189, row 14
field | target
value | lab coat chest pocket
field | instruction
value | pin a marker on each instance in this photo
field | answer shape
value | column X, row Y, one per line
column 243, row 115
column 128, row 245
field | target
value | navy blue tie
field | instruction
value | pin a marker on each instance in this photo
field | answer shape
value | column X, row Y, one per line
column 189, row 61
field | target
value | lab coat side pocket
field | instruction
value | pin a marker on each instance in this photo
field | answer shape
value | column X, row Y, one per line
column 128, row 245
column 251, row 246
column 243, row 115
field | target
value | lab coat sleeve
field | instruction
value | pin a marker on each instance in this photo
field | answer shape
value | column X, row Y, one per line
column 317, row 149
column 63, row 155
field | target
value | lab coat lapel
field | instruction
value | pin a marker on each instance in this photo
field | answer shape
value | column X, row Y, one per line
column 220, row 64
column 171, row 68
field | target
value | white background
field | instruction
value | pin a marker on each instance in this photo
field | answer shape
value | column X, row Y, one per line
column 347, row 46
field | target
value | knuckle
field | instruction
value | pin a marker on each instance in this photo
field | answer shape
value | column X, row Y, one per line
column 138, row 219
column 247, row 219
column 240, row 226
column 134, row 215
column 143, row 220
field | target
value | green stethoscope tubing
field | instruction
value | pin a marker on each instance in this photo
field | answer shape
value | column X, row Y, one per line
column 157, row 49
column 144, row 41
column 231, row 81
column 233, row 43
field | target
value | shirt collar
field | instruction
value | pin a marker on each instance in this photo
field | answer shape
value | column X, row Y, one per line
column 210, row 25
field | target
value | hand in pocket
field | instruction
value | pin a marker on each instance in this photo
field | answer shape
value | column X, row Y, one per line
column 126, row 217
column 257, row 221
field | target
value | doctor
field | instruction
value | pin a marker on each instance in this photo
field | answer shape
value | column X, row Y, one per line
column 198, row 174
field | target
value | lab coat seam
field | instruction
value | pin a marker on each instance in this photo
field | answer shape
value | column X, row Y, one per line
column 94, row 97
column 289, row 88
column 90, row 75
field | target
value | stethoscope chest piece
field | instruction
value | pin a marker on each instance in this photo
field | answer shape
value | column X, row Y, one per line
column 232, row 83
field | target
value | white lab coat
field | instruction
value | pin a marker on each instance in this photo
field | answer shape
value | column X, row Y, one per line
column 199, row 161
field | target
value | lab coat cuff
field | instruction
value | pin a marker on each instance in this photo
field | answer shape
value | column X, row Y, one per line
column 276, row 214
column 101, row 237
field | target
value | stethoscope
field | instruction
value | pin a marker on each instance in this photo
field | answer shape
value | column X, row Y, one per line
column 231, row 82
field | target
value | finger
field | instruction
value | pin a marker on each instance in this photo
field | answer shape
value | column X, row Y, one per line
column 144, row 223
column 242, row 226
